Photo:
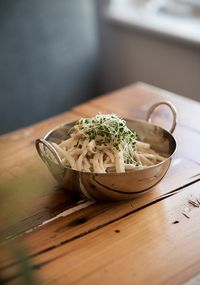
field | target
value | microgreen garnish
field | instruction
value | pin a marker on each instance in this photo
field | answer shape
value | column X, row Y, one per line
column 107, row 129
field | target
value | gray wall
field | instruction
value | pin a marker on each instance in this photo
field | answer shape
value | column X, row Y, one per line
column 129, row 54
column 48, row 58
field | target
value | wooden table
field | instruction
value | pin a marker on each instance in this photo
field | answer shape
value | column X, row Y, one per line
column 50, row 237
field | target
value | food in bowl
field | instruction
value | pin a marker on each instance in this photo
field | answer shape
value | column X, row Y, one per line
column 104, row 144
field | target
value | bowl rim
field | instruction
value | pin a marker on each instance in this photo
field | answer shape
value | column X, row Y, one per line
column 121, row 173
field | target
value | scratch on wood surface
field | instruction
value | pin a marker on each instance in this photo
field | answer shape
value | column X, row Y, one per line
column 185, row 215
column 194, row 203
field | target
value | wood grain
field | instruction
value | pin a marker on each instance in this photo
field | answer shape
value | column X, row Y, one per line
column 96, row 241
column 76, row 224
column 19, row 142
column 156, row 245
column 21, row 162
column 53, row 202
column 28, row 193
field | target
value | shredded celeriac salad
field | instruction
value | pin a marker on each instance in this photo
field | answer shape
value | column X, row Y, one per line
column 103, row 144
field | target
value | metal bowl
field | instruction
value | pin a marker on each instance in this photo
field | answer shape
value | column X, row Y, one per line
column 112, row 186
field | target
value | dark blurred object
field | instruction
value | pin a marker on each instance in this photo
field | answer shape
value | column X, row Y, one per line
column 48, row 58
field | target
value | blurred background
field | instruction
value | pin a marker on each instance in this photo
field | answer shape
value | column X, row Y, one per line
column 57, row 54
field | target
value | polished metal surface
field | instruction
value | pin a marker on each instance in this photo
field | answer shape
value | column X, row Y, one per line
column 112, row 186
column 170, row 105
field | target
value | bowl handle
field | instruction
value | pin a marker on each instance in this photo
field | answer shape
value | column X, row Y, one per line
column 44, row 143
column 172, row 108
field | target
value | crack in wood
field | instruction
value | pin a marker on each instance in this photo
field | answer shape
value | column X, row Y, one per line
column 177, row 190
column 80, row 205
column 38, row 266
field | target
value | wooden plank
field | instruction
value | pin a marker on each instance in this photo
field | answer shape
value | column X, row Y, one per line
column 22, row 141
column 138, row 97
column 156, row 245
column 29, row 194
column 72, row 225
column 46, row 203
column 188, row 143
column 43, row 192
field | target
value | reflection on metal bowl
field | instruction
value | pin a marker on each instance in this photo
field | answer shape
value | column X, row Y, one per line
column 112, row 186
